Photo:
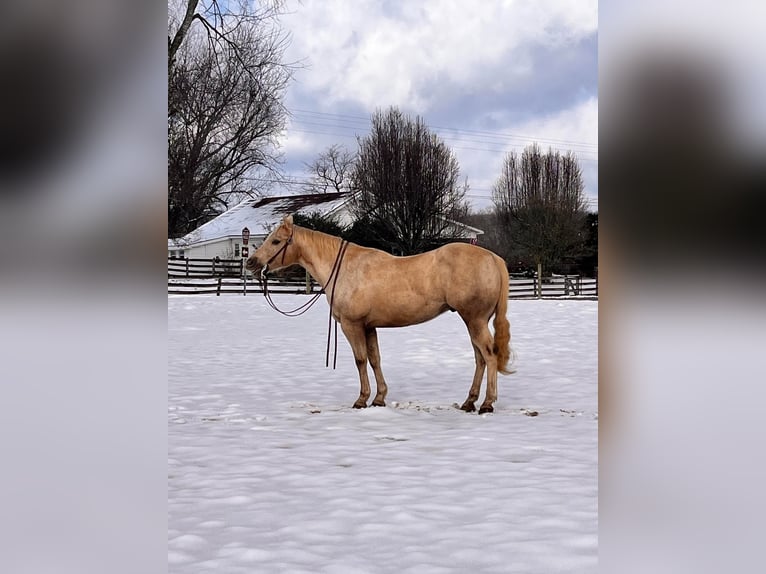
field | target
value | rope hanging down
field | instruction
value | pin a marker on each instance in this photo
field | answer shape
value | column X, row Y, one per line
column 310, row 303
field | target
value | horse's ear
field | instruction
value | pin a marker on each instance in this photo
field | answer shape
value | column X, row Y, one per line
column 288, row 222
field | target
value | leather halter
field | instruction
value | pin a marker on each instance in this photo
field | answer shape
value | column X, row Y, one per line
column 282, row 250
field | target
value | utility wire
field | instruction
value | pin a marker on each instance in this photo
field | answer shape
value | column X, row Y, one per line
column 363, row 122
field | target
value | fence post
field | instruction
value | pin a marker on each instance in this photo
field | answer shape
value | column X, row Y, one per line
column 308, row 283
column 187, row 266
column 539, row 280
column 218, row 291
column 596, row 274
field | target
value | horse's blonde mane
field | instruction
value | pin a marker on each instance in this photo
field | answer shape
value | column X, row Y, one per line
column 326, row 243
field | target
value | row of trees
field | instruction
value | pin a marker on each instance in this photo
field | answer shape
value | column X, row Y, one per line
column 226, row 84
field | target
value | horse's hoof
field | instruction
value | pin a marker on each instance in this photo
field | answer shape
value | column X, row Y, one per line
column 486, row 409
column 378, row 403
column 468, row 407
column 358, row 405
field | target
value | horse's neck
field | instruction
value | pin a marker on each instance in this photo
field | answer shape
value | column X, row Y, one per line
column 318, row 254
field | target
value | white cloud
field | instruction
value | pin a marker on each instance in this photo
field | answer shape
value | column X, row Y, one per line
column 573, row 129
column 370, row 54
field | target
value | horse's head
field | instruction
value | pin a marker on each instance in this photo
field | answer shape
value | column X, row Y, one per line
column 276, row 251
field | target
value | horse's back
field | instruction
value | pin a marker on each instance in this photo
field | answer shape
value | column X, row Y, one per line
column 466, row 259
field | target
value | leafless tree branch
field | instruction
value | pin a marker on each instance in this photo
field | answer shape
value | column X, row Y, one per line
column 330, row 172
column 225, row 113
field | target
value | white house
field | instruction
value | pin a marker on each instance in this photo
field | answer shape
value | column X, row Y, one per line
column 222, row 236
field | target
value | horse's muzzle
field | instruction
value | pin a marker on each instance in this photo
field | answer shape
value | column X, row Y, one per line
column 252, row 264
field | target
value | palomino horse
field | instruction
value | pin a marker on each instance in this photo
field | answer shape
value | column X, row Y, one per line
column 367, row 289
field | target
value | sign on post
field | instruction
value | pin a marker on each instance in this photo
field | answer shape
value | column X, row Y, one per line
column 245, row 253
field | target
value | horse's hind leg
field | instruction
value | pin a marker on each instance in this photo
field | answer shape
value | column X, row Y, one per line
column 358, row 340
column 473, row 395
column 483, row 341
column 373, row 354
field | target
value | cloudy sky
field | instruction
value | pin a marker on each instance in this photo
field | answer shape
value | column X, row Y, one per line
column 488, row 77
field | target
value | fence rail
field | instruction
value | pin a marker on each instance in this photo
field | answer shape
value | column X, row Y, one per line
column 219, row 285
column 205, row 267
column 206, row 276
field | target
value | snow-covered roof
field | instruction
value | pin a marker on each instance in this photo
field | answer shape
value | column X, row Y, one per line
column 464, row 227
column 260, row 215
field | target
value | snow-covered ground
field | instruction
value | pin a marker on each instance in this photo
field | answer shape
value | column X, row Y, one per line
column 271, row 470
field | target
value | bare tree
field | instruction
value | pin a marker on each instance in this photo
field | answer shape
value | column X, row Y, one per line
column 539, row 202
column 225, row 113
column 330, row 172
column 407, row 186
column 220, row 22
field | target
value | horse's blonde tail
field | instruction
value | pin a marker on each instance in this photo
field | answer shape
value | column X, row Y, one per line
column 501, row 324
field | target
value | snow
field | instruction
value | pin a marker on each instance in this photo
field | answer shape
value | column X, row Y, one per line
column 271, row 470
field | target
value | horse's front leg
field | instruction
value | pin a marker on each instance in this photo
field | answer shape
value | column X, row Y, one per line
column 358, row 340
column 373, row 354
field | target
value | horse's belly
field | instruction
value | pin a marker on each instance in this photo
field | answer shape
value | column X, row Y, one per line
column 402, row 316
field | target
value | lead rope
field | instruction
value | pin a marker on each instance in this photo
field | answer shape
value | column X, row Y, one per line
column 298, row 311
column 338, row 260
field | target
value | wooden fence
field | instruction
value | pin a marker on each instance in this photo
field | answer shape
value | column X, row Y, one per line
column 198, row 276
column 187, row 268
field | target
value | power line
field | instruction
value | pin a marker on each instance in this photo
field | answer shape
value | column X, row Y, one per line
column 361, row 121
column 448, row 137
column 457, row 147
